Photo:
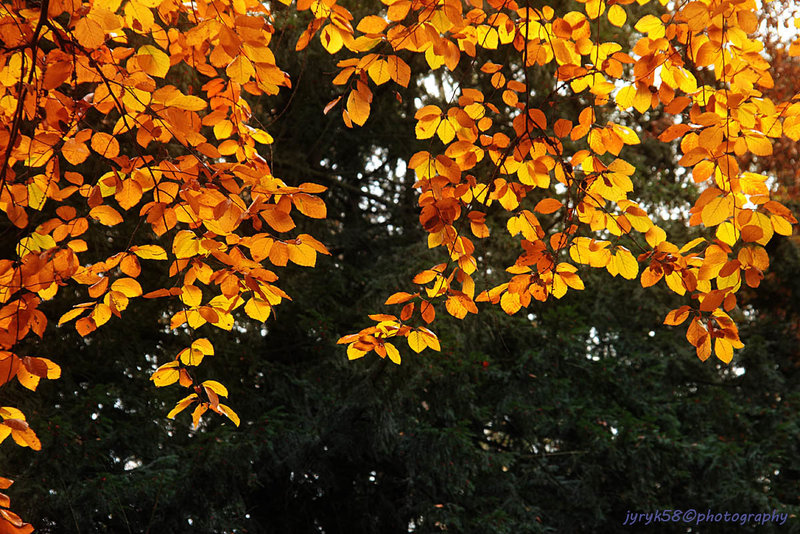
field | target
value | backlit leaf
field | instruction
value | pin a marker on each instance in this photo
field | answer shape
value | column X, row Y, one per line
column 416, row 341
column 229, row 413
column 392, row 353
column 105, row 215
column 717, row 210
column 548, row 205
column 153, row 61
column 149, row 252
column 166, row 374
column 617, row 15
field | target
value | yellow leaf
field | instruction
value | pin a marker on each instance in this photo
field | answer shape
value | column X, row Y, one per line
column 446, row 131
column 257, row 309
column 138, row 15
column 149, row 252
column 642, row 99
column 191, row 295
column 510, row 303
column 652, row 26
column 430, row 339
column 302, row 254
column 716, row 211
column 392, row 352
column 727, row 233
column 166, row 374
column 625, row 264
column 101, row 313
column 230, row 414
column 190, row 357
column 70, row 315
column 781, row 225
column 758, row 144
column 791, row 127
column 153, row 61
column 36, row 196
column 617, row 15
column 655, row 235
column 723, row 349
column 378, row 70
column 185, row 244
column 625, row 96
column 353, row 353
column 128, row 287
column 204, row 346
column 416, row 341
column 51, row 290
column 181, row 405
column 331, row 38
column 216, row 387
column 762, row 221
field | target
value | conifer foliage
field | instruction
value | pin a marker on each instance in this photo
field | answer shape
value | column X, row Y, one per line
column 142, row 110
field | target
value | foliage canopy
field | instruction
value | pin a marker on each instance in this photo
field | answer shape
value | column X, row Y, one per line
column 143, row 112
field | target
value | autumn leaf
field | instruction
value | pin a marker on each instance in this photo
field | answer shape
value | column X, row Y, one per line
column 105, row 145
column 617, row 15
column 548, row 205
column 166, row 374
column 105, row 215
column 310, row 206
column 399, row 298
column 149, row 252
column 94, row 131
column 153, row 61
column 717, row 210
column 416, row 341
column 358, row 107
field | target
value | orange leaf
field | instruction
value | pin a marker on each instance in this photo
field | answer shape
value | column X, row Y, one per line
column 105, row 145
column 712, row 300
column 371, row 24
column 548, row 205
column 310, row 206
column 425, row 276
column 129, row 194
column 399, row 70
column 677, row 316
column 357, row 108
column 74, row 151
column 105, row 215
column 562, row 127
column 240, row 70
column 399, row 298
column 329, row 105
column 427, row 311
